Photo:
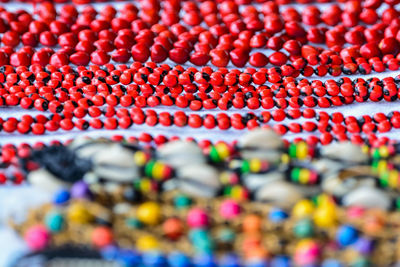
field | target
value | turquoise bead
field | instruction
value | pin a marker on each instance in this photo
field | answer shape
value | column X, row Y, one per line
column 361, row 262
column 182, row 202
column 133, row 223
column 304, row 228
column 226, row 235
column 201, row 241
column 55, row 221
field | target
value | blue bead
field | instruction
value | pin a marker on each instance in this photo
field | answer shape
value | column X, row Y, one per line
column 277, row 215
column 110, row 253
column 346, row 235
column 204, row 260
column 364, row 245
column 281, row 261
column 128, row 258
column 61, row 197
column 331, row 263
column 230, row 260
column 154, row 259
column 256, row 263
column 178, row 259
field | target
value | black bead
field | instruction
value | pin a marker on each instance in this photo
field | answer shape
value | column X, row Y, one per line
column 132, row 195
column 86, row 80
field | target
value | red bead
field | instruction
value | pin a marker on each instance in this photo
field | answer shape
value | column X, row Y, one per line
column 389, row 46
column 179, row 55
column 140, row 52
column 99, row 57
column 59, row 59
column 278, row 58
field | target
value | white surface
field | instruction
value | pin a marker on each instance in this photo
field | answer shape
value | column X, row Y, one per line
column 14, row 201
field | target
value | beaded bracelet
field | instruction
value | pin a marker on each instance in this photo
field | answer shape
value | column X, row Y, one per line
column 15, row 158
column 152, row 210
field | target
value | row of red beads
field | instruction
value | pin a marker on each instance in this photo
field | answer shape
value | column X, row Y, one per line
column 123, row 118
column 58, row 91
column 82, row 44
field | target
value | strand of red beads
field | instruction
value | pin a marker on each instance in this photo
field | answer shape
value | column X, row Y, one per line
column 65, row 89
column 140, row 36
column 124, row 119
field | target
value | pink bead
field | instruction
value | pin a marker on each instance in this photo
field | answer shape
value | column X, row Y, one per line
column 229, row 209
column 37, row 237
column 197, row 218
column 355, row 212
column 307, row 255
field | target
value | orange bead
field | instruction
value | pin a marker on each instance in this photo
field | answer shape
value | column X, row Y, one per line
column 256, row 253
column 251, row 223
column 102, row 236
column 373, row 223
column 251, row 242
column 173, row 228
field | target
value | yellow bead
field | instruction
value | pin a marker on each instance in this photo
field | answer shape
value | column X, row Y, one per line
column 382, row 166
column 158, row 169
column 384, row 151
column 224, row 177
column 222, row 150
column 365, row 149
column 303, row 208
column 236, row 192
column 304, row 176
column 302, row 150
column 149, row 213
column 147, row 243
column 285, row 158
column 324, row 199
column 325, row 215
column 78, row 213
column 393, row 178
column 305, row 244
column 255, row 165
column 140, row 158
column 145, row 185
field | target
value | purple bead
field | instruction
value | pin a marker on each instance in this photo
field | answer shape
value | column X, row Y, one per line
column 364, row 245
column 80, row 190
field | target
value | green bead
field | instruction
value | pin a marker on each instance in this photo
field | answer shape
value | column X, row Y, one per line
column 54, row 221
column 292, row 150
column 304, row 229
column 227, row 190
column 295, row 174
column 361, row 262
column 133, row 223
column 225, row 235
column 214, row 156
column 182, row 202
column 245, row 167
column 148, row 169
column 384, row 181
column 376, row 154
